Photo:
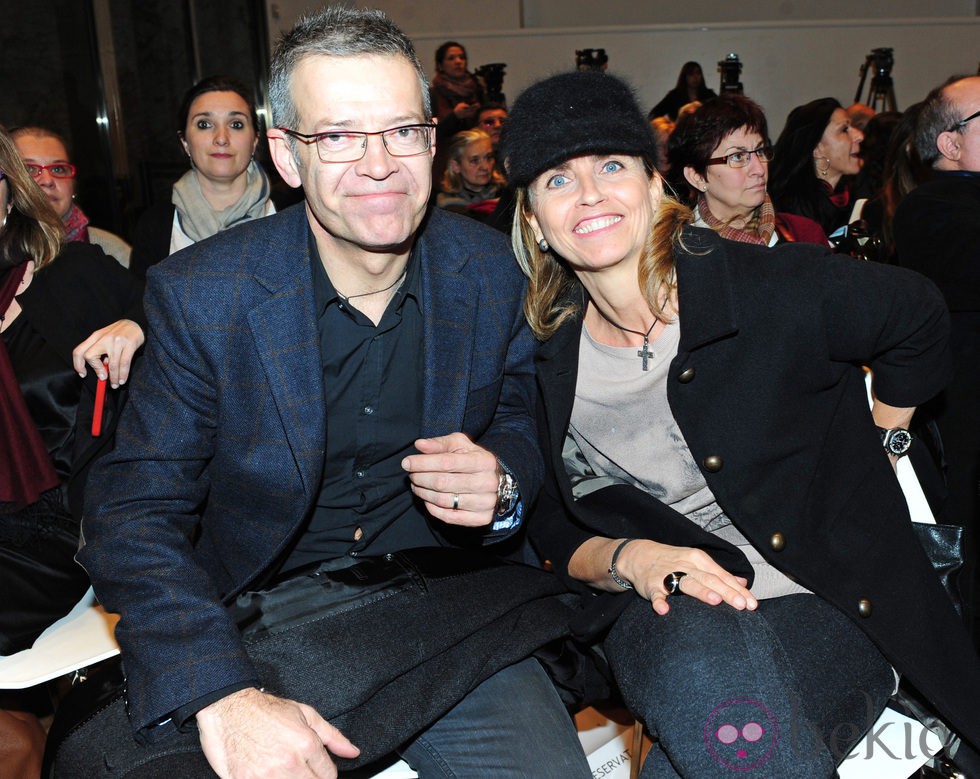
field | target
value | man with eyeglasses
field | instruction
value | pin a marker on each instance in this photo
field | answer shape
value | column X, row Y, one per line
column 937, row 232
column 325, row 388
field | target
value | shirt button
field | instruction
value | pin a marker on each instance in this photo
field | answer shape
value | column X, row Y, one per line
column 369, row 409
column 712, row 463
column 686, row 376
column 359, row 474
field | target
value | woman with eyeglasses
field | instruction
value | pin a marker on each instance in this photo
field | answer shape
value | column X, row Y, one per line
column 46, row 155
column 63, row 306
column 816, row 157
column 720, row 156
column 717, row 488
column 218, row 128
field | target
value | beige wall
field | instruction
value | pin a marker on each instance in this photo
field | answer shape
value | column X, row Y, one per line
column 785, row 63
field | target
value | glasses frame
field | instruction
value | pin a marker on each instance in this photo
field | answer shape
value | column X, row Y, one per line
column 50, row 170
column 764, row 153
column 313, row 138
column 963, row 122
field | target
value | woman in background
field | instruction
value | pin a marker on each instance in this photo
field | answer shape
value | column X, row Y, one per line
column 219, row 130
column 46, row 155
column 454, row 89
column 471, row 180
column 720, row 154
column 816, row 157
column 690, row 88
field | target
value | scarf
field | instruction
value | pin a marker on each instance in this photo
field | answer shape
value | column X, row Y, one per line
column 840, row 199
column 760, row 228
column 26, row 469
column 457, row 90
column 199, row 221
column 76, row 224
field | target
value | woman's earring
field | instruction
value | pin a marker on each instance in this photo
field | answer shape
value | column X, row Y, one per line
column 821, row 171
column 704, row 187
column 543, row 245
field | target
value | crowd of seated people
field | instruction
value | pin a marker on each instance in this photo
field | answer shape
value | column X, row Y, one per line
column 843, row 179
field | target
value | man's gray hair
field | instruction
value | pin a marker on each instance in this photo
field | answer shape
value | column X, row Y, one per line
column 937, row 116
column 336, row 31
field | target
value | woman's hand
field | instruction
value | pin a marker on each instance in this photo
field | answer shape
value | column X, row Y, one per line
column 465, row 111
column 645, row 564
column 119, row 342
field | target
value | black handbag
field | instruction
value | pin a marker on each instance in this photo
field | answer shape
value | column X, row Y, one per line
column 943, row 545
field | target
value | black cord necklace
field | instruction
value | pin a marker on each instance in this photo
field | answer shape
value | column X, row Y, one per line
column 397, row 281
column 645, row 352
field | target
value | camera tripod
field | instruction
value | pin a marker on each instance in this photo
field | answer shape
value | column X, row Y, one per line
column 881, row 93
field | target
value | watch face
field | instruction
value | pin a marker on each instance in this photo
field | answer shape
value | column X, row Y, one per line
column 897, row 442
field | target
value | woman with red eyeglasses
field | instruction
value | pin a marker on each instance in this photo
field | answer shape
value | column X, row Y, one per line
column 45, row 154
column 53, row 294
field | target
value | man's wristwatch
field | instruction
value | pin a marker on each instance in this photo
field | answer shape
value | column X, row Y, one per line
column 507, row 493
column 897, row 440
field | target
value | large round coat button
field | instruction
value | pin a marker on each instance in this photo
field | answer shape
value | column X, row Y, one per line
column 712, row 463
column 777, row 542
column 864, row 607
column 686, row 375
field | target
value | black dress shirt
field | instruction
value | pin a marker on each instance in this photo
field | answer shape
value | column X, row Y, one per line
column 372, row 391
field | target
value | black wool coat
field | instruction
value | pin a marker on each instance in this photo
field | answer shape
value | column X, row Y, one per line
column 769, row 391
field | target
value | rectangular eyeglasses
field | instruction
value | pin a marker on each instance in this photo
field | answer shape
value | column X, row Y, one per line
column 351, row 145
column 741, row 158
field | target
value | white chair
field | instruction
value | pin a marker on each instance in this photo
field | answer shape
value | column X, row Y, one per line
column 78, row 640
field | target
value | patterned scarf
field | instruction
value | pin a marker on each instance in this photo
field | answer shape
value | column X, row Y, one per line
column 457, row 90
column 76, row 224
column 26, row 469
column 758, row 230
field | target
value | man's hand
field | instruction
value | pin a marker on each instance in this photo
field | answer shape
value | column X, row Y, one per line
column 452, row 470
column 253, row 735
column 119, row 342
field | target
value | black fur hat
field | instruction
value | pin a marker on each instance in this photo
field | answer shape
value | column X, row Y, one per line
column 569, row 115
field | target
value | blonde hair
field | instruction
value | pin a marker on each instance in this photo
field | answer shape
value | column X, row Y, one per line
column 32, row 230
column 548, row 301
column 453, row 182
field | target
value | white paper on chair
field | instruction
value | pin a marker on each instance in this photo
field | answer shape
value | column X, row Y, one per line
column 895, row 748
column 612, row 759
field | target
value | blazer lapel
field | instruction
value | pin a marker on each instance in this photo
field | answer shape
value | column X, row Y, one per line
column 448, row 302
column 557, row 370
column 286, row 337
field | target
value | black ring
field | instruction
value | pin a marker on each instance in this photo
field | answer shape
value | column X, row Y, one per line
column 672, row 582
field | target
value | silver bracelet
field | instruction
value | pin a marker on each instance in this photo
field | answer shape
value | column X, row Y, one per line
column 612, row 567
